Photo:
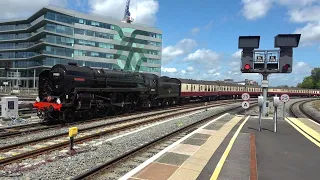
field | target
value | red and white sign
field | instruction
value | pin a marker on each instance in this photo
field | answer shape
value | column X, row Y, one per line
column 284, row 98
column 245, row 96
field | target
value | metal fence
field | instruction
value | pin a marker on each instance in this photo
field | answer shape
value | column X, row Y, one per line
column 20, row 91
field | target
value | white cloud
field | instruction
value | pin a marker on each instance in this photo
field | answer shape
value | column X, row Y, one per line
column 190, row 69
column 295, row 3
column 169, row 70
column 181, row 48
column 204, row 57
column 237, row 54
column 195, row 31
column 254, row 9
column 306, row 14
column 12, row 9
column 301, row 68
column 310, row 33
column 143, row 11
column 183, row 71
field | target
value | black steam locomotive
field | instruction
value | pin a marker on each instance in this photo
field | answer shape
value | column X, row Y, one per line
column 69, row 91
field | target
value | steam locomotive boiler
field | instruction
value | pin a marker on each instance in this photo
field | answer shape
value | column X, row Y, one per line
column 70, row 91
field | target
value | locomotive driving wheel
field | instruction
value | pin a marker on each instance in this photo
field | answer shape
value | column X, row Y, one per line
column 131, row 102
column 102, row 111
column 68, row 116
column 117, row 101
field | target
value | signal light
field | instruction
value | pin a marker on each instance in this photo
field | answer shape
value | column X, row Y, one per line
column 286, row 67
column 247, row 66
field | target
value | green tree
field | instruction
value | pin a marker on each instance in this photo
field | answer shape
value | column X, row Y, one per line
column 311, row 82
column 315, row 73
column 307, row 83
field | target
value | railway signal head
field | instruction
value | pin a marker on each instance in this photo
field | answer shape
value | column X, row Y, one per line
column 247, row 44
column 286, row 43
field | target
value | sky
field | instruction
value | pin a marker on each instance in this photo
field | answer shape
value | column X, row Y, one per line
column 200, row 38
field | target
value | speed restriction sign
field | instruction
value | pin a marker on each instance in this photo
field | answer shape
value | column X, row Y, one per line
column 284, row 98
column 245, row 96
column 245, row 104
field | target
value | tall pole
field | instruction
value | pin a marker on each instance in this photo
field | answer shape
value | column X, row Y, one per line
column 34, row 78
column 264, row 94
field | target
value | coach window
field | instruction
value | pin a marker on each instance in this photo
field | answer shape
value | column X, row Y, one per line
column 187, row 87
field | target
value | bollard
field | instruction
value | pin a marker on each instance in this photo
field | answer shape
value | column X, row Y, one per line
column 206, row 104
column 72, row 133
column 260, row 103
column 276, row 103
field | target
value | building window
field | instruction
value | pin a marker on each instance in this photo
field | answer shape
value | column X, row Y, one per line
column 7, row 46
column 59, row 51
column 59, row 40
column 59, row 17
column 93, row 54
column 59, row 29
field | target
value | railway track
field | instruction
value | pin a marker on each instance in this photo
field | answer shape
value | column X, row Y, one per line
column 24, row 150
column 158, row 144
column 13, row 131
column 298, row 111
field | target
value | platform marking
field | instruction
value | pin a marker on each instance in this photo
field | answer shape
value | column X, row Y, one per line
column 303, row 133
column 153, row 158
column 226, row 152
column 253, row 158
column 306, row 128
column 314, row 122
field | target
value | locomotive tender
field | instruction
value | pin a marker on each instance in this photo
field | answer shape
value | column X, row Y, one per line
column 70, row 91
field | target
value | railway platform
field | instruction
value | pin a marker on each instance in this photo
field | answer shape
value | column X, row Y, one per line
column 232, row 147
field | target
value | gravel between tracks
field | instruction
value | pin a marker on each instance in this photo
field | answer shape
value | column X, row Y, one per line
column 75, row 165
column 54, row 131
column 308, row 107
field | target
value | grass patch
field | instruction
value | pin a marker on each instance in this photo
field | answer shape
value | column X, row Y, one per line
column 316, row 104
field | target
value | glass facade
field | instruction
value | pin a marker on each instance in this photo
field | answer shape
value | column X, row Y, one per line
column 59, row 40
column 93, row 54
column 59, row 29
column 49, row 61
column 52, row 38
column 58, row 51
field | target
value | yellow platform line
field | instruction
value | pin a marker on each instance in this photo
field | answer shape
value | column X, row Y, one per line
column 306, row 128
column 226, row 152
column 302, row 132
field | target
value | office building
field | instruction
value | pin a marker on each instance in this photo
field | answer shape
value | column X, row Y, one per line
column 55, row 35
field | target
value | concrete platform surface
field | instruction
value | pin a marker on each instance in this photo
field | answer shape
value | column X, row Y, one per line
column 231, row 148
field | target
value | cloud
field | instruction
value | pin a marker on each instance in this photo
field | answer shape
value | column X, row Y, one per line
column 181, row 48
column 12, row 9
column 308, row 14
column 143, row 11
column 168, row 70
column 254, row 9
column 295, row 3
column 301, row 67
column 195, row 31
column 237, row 54
column 203, row 57
column 310, row 34
column 190, row 69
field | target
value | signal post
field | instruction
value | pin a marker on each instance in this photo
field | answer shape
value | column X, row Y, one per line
column 266, row 62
